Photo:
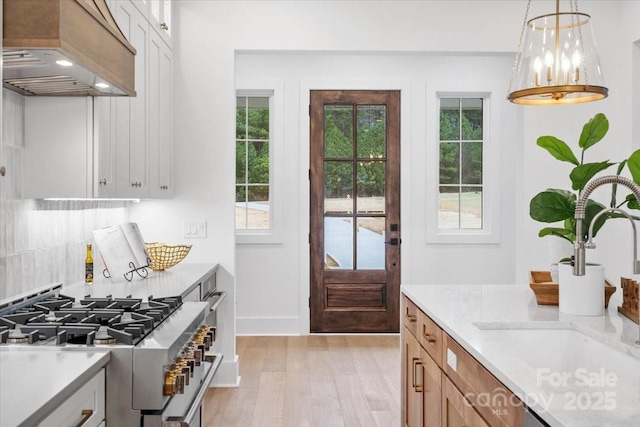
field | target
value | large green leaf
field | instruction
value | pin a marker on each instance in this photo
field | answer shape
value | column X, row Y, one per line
column 559, row 232
column 593, row 131
column 632, row 203
column 582, row 174
column 558, row 149
column 552, row 206
column 633, row 163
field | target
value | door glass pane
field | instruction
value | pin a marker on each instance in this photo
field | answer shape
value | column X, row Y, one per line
column 338, row 131
column 371, row 181
column 449, row 163
column 471, row 119
column 449, row 208
column 471, row 163
column 241, row 117
column 471, row 207
column 370, row 243
column 338, row 187
column 372, row 122
column 338, row 243
column 449, row 119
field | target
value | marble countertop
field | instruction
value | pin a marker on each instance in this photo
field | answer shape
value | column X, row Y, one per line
column 178, row 280
column 570, row 370
column 35, row 382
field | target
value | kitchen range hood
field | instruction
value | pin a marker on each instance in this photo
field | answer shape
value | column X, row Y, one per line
column 65, row 48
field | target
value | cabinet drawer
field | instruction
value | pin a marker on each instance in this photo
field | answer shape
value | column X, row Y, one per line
column 456, row 410
column 497, row 405
column 85, row 407
column 410, row 315
column 430, row 337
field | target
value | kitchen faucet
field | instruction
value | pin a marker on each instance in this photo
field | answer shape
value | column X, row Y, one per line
column 581, row 245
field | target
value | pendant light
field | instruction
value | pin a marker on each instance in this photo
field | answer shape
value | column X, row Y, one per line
column 557, row 61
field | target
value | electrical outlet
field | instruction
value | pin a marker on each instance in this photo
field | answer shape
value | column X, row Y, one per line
column 195, row 229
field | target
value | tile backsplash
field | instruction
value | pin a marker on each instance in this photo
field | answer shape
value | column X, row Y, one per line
column 42, row 241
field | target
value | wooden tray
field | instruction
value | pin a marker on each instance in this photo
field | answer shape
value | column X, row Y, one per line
column 547, row 292
column 629, row 306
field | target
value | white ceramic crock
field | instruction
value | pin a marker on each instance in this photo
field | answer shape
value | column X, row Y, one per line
column 581, row 295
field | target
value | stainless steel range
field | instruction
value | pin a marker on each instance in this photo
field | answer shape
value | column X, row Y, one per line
column 161, row 348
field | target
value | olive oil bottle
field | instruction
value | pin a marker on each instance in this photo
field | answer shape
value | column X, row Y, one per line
column 88, row 267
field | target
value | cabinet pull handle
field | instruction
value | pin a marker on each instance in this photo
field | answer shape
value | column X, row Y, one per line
column 86, row 414
column 411, row 317
column 428, row 337
column 103, row 181
column 416, row 387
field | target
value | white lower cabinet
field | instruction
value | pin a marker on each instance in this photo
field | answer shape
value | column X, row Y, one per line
column 85, row 407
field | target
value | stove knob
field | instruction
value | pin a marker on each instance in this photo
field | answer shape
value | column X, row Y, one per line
column 169, row 388
column 180, row 383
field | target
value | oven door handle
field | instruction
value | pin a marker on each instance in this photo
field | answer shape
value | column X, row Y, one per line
column 219, row 295
column 194, row 409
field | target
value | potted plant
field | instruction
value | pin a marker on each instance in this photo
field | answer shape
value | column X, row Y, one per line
column 558, row 205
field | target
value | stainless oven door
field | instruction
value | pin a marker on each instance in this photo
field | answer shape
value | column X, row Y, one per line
column 184, row 410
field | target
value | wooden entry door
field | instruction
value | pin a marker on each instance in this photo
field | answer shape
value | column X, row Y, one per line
column 355, row 211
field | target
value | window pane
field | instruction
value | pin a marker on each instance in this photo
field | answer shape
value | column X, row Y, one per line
column 371, row 181
column 370, row 244
column 472, row 119
column 471, row 207
column 449, row 163
column 258, row 168
column 449, row 119
column 449, row 208
column 241, row 206
column 338, row 131
column 338, row 243
column 372, row 123
column 241, row 117
column 471, row 163
column 257, row 207
column 241, row 162
column 338, row 186
column 258, row 117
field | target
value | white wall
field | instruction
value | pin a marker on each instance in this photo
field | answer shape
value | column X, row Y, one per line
column 207, row 36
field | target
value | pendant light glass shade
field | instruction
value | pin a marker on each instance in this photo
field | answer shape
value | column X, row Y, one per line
column 557, row 61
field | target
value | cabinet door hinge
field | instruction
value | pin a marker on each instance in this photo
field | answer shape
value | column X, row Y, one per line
column 309, row 174
column 309, row 238
column 309, row 109
column 309, row 302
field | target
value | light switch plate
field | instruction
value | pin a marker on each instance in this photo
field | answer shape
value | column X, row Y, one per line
column 452, row 359
column 195, row 229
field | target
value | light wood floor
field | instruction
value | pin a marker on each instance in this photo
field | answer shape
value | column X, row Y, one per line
column 317, row 380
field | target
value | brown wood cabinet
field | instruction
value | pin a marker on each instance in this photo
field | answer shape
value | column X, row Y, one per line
column 443, row 385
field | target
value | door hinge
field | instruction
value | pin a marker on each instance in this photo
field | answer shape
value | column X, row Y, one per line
column 309, row 238
column 309, row 109
column 309, row 302
column 309, row 174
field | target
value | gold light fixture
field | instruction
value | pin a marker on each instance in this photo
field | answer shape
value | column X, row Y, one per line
column 557, row 61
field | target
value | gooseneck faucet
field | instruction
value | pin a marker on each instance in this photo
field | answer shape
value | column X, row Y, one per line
column 581, row 245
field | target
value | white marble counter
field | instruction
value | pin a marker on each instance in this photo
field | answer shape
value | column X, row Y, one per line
column 555, row 363
column 33, row 383
column 178, row 280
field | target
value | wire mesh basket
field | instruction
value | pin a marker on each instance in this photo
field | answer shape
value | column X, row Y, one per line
column 165, row 256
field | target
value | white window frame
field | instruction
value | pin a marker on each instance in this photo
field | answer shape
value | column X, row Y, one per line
column 490, row 232
column 275, row 92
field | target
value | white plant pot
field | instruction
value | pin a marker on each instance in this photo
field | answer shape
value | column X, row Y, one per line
column 581, row 295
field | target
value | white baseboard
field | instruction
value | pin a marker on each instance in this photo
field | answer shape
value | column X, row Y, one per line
column 227, row 375
column 268, row 326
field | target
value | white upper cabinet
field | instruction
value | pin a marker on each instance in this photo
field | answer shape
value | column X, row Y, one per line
column 107, row 147
column 160, row 113
column 160, row 18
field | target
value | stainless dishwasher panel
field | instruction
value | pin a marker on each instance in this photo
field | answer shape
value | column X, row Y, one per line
column 531, row 419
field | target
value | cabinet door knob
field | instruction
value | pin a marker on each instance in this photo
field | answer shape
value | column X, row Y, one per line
column 3, row 170
column 103, row 181
column 164, row 26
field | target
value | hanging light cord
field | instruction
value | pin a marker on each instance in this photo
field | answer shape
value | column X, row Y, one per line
column 519, row 51
column 576, row 12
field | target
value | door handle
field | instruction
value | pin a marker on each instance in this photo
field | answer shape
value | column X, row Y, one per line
column 416, row 387
column 394, row 241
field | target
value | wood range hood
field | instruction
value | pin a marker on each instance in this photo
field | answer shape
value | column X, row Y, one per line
column 39, row 35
